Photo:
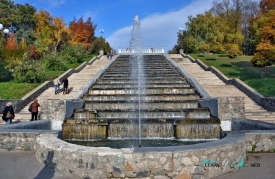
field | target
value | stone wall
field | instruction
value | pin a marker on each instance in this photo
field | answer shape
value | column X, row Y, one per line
column 17, row 105
column 259, row 141
column 20, row 140
column 202, row 161
column 54, row 110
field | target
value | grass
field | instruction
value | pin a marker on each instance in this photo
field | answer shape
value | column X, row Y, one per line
column 262, row 80
column 13, row 90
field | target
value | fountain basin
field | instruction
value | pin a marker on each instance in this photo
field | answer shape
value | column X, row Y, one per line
column 189, row 161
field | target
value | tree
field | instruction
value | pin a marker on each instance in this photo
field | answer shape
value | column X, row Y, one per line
column 60, row 32
column 100, row 44
column 43, row 33
column 266, row 5
column 82, row 32
column 265, row 40
column 12, row 53
column 24, row 23
column 12, row 42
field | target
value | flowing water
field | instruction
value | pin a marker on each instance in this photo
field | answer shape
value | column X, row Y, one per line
column 140, row 100
column 136, row 60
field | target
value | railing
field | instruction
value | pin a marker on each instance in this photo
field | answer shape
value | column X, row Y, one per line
column 145, row 51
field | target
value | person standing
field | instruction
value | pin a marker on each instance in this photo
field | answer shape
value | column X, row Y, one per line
column 65, row 83
column 8, row 108
column 108, row 54
column 34, row 109
column 56, row 83
column 111, row 54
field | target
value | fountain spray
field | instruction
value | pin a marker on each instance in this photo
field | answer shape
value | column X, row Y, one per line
column 136, row 58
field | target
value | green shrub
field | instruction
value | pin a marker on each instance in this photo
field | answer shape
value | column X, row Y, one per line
column 74, row 53
column 54, row 62
column 30, row 71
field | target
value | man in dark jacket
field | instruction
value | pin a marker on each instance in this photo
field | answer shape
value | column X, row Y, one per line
column 8, row 108
column 65, row 83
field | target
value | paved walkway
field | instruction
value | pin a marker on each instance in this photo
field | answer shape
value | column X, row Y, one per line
column 23, row 165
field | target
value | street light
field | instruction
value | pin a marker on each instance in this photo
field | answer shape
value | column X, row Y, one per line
column 101, row 31
column 5, row 31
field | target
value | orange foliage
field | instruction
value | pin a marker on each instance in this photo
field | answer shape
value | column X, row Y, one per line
column 82, row 32
column 12, row 42
column 266, row 5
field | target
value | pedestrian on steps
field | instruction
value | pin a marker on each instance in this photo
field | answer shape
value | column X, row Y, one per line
column 65, row 83
column 56, row 83
column 5, row 117
column 34, row 109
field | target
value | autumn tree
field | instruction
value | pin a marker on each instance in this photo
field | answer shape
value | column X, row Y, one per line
column 60, row 32
column 12, row 52
column 82, row 32
column 265, row 40
column 43, row 33
column 266, row 5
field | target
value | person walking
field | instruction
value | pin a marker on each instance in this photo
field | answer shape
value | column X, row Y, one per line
column 65, row 83
column 56, row 83
column 34, row 109
column 8, row 113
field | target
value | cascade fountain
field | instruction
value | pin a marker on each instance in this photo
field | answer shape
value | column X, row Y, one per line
column 140, row 97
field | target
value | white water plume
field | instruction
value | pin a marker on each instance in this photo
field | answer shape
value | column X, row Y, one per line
column 136, row 60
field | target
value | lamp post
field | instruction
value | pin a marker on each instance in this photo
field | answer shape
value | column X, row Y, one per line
column 101, row 31
column 5, row 31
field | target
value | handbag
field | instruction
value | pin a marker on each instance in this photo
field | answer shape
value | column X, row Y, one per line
column 30, row 108
column 9, row 115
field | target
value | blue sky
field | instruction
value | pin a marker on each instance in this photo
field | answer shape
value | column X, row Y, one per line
column 160, row 19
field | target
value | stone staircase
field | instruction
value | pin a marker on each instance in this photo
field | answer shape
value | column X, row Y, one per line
column 216, row 88
column 212, row 84
column 76, row 81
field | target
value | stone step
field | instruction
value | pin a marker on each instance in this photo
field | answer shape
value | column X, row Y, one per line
column 253, row 110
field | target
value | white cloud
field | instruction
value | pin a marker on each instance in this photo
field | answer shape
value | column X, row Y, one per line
column 52, row 3
column 160, row 29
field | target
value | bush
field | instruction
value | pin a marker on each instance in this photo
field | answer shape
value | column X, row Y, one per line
column 30, row 71
column 73, row 53
column 233, row 51
column 205, row 48
column 217, row 48
column 54, row 62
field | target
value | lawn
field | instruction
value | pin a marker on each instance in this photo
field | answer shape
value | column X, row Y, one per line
column 262, row 80
column 13, row 90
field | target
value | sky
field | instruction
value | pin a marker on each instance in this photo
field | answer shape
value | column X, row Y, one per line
column 160, row 19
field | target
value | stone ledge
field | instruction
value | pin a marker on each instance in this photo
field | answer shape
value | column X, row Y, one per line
column 229, row 154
